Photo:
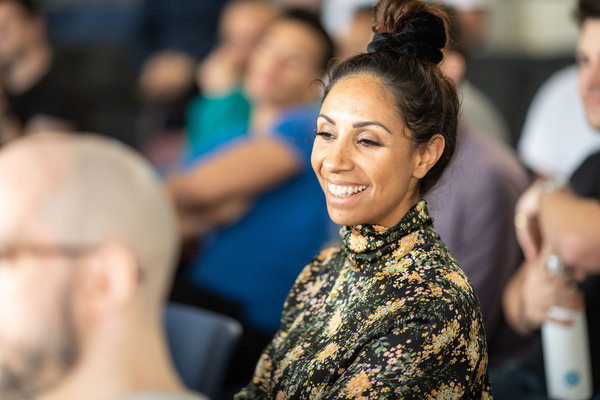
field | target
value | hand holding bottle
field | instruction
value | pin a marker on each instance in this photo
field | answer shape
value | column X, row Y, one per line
column 565, row 344
column 542, row 290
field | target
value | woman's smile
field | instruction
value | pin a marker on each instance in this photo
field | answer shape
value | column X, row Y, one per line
column 344, row 191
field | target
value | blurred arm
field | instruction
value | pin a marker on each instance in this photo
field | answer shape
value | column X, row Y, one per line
column 219, row 190
column 571, row 225
column 245, row 170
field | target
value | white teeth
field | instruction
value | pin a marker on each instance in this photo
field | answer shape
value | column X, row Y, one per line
column 344, row 191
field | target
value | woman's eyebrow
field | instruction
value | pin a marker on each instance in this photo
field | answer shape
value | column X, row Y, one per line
column 326, row 118
column 368, row 123
column 361, row 124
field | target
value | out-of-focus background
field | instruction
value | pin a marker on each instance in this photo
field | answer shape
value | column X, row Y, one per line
column 101, row 42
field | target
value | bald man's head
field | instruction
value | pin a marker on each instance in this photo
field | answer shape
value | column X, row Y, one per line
column 87, row 191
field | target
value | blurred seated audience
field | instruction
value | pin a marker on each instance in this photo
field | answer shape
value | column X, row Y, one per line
column 173, row 37
column 556, row 137
column 34, row 96
column 240, row 26
column 564, row 222
column 253, row 200
column 473, row 210
column 165, row 89
column 220, row 76
column 89, row 243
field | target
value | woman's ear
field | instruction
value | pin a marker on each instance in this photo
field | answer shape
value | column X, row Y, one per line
column 427, row 155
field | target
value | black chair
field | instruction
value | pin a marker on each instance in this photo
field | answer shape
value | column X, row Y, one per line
column 201, row 343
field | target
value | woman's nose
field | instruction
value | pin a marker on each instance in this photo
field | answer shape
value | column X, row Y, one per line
column 338, row 157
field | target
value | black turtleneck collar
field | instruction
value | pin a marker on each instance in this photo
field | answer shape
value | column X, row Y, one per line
column 368, row 244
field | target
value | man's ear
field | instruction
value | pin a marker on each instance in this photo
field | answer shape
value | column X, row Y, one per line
column 112, row 277
column 427, row 155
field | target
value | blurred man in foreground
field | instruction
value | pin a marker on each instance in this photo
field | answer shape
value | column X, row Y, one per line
column 87, row 242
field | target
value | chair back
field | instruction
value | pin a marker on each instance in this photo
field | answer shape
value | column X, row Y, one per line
column 201, row 344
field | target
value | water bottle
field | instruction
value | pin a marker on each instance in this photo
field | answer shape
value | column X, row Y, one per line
column 566, row 349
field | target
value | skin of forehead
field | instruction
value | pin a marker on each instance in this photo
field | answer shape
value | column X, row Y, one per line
column 90, row 190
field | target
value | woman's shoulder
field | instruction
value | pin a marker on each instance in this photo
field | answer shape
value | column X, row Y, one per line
column 313, row 282
column 429, row 272
column 327, row 261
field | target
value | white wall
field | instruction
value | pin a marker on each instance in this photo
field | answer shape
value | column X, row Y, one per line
column 534, row 27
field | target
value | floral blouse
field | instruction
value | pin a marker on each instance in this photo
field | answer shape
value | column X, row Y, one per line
column 389, row 315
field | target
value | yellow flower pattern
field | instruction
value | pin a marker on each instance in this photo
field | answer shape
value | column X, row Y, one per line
column 389, row 315
column 357, row 385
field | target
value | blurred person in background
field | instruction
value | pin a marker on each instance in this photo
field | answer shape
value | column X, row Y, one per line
column 88, row 245
column 359, row 33
column 556, row 136
column 562, row 221
column 34, row 96
column 473, row 16
column 220, row 77
column 173, row 36
column 473, row 209
column 253, row 201
column 474, row 20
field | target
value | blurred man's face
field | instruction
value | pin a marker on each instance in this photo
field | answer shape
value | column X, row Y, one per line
column 284, row 63
column 37, row 334
column 588, row 57
column 16, row 32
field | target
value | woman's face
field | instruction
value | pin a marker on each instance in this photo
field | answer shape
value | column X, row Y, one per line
column 363, row 156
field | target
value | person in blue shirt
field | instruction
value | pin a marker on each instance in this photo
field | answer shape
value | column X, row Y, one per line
column 253, row 200
column 220, row 112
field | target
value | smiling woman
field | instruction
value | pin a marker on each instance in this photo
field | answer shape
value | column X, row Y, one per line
column 389, row 314
column 361, row 144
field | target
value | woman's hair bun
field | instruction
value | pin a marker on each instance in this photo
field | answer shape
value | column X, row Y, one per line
column 410, row 26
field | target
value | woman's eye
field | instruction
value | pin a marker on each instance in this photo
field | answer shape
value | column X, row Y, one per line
column 324, row 135
column 369, row 143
